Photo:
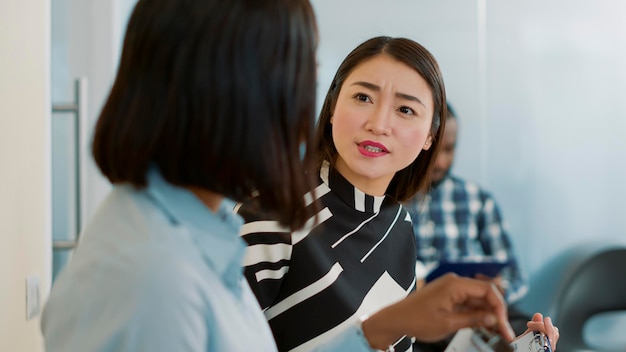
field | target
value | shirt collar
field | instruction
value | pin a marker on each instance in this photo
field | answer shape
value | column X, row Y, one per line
column 214, row 233
column 353, row 196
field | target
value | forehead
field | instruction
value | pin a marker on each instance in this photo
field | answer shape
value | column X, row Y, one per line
column 375, row 63
column 386, row 71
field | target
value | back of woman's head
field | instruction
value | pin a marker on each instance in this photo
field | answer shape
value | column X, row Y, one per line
column 215, row 94
column 414, row 178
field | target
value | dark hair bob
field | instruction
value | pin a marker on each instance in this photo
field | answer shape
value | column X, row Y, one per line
column 217, row 95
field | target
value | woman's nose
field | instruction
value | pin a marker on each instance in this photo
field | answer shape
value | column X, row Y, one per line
column 379, row 121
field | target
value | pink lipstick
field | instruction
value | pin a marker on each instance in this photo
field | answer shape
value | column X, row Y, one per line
column 372, row 149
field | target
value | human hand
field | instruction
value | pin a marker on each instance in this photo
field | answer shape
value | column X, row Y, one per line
column 497, row 281
column 439, row 309
column 544, row 325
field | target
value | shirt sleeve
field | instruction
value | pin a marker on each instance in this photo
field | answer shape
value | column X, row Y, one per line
column 352, row 339
column 496, row 242
column 267, row 257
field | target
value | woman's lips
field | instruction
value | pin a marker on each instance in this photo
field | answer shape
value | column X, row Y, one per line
column 372, row 149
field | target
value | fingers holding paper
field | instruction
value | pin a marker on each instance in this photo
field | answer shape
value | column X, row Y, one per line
column 439, row 309
column 544, row 325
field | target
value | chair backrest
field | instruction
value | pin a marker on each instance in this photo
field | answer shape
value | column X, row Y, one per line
column 596, row 285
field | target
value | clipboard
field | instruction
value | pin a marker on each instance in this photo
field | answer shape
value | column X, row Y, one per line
column 468, row 268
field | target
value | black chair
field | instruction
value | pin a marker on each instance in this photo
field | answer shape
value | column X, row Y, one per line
column 596, row 284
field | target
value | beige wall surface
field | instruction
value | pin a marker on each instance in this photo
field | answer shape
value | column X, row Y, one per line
column 25, row 239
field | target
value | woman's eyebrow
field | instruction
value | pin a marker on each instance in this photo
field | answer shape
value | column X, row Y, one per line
column 399, row 95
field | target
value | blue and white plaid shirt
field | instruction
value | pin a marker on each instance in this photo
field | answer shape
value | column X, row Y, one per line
column 459, row 220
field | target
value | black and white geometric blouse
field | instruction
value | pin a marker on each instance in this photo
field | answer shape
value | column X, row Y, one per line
column 317, row 281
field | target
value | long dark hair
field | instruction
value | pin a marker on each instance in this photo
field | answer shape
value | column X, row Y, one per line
column 414, row 178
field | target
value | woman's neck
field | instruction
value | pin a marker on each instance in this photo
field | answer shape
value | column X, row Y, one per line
column 211, row 199
column 374, row 187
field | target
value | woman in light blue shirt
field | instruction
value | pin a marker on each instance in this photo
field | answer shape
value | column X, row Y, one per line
column 212, row 102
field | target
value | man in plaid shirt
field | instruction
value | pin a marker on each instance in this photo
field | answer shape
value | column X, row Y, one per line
column 457, row 220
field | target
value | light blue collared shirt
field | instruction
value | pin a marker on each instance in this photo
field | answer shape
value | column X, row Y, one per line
column 156, row 270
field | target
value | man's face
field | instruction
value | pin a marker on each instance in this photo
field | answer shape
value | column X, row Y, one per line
column 446, row 153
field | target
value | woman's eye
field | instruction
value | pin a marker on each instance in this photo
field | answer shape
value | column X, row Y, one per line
column 362, row 97
column 406, row 110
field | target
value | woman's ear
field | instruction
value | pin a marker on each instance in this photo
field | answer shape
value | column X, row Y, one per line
column 429, row 142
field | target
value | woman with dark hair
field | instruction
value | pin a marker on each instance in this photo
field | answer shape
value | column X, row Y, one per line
column 377, row 133
column 377, row 137
column 212, row 101
column 422, row 111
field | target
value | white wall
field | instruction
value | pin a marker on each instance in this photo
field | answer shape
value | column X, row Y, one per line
column 25, row 158
column 539, row 88
column 557, row 79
